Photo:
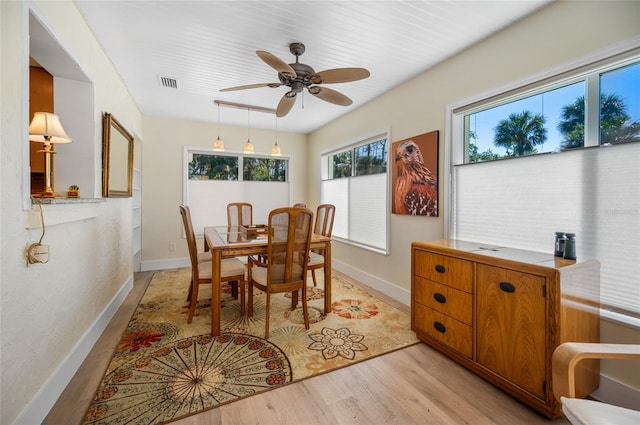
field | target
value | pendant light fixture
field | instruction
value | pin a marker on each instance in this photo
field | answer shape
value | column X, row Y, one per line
column 275, row 150
column 218, row 145
column 248, row 147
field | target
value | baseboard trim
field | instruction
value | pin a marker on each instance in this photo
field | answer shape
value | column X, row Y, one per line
column 172, row 263
column 389, row 289
column 618, row 393
column 36, row 411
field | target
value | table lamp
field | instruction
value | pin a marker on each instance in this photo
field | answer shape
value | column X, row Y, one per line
column 45, row 128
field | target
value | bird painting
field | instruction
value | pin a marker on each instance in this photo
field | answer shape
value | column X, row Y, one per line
column 416, row 188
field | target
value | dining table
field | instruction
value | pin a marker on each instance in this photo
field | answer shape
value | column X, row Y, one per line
column 238, row 241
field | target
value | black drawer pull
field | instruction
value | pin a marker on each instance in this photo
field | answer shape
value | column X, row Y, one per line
column 440, row 268
column 440, row 298
column 439, row 327
column 507, row 287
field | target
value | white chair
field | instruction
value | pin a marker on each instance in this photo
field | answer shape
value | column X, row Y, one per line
column 589, row 412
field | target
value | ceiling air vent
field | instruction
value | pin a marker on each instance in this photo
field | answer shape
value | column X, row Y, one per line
column 168, row 82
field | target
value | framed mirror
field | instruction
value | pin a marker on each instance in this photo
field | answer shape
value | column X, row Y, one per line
column 117, row 159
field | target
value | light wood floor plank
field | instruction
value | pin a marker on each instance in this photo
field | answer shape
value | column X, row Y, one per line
column 414, row 385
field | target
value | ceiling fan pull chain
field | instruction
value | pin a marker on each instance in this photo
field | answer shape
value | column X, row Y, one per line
column 302, row 98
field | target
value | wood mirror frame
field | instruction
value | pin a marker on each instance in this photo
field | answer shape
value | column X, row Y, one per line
column 117, row 159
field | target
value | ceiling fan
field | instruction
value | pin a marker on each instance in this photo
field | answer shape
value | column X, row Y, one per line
column 298, row 76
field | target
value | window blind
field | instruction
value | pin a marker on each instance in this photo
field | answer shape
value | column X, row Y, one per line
column 208, row 199
column 593, row 192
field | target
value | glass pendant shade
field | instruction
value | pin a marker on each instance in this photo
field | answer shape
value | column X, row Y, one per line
column 218, row 145
column 248, row 147
column 275, row 150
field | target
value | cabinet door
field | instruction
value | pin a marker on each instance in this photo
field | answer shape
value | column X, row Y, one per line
column 510, row 331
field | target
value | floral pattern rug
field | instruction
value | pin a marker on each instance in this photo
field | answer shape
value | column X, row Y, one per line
column 165, row 369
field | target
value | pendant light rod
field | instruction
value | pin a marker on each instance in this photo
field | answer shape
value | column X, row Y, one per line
column 243, row 106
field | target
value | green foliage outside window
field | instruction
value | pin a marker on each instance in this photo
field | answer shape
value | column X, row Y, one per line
column 264, row 169
column 371, row 158
column 213, row 167
column 341, row 165
column 362, row 160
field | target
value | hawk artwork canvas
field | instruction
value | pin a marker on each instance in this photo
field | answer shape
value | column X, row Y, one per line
column 415, row 175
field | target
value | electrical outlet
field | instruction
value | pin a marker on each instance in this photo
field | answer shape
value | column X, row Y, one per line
column 172, row 246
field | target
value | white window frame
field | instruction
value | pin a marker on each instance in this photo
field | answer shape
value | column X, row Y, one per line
column 349, row 215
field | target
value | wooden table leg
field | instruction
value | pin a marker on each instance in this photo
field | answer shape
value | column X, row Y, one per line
column 216, row 265
column 327, row 279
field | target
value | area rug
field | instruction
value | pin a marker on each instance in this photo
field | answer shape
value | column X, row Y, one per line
column 165, row 369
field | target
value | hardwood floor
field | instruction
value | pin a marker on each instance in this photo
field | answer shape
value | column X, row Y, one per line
column 414, row 385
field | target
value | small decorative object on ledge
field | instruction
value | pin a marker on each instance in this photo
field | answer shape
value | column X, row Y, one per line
column 73, row 192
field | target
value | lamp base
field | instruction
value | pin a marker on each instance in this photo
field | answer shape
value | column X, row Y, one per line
column 46, row 194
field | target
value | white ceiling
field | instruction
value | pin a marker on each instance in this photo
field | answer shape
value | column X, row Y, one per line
column 210, row 45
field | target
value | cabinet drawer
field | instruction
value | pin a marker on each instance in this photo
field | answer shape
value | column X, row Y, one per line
column 442, row 298
column 439, row 326
column 443, row 269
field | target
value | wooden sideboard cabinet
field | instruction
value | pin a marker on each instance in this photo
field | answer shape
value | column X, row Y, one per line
column 501, row 312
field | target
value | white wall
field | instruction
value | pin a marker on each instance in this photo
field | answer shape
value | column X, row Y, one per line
column 51, row 313
column 162, row 178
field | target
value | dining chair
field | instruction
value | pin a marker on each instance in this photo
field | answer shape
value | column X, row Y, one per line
column 325, row 214
column 285, row 269
column 566, row 358
column 232, row 269
column 239, row 214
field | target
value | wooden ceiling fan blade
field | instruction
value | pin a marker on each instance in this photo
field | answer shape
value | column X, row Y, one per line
column 285, row 104
column 276, row 63
column 329, row 95
column 339, row 75
column 251, row 86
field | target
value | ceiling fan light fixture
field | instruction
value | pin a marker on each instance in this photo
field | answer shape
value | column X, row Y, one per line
column 298, row 76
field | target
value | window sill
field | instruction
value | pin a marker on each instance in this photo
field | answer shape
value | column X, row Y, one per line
column 620, row 319
column 62, row 210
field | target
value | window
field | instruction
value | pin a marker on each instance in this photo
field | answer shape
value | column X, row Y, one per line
column 553, row 119
column 212, row 180
column 591, row 188
column 355, row 180
column 264, row 169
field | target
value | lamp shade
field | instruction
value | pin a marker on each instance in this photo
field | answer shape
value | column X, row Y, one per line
column 45, row 127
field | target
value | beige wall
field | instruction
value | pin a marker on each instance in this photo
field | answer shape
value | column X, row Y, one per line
column 47, row 309
column 162, row 177
column 557, row 34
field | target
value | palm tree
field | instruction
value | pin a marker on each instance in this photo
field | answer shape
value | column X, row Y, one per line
column 614, row 122
column 572, row 124
column 520, row 133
